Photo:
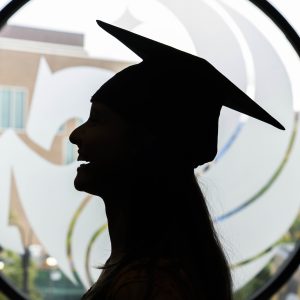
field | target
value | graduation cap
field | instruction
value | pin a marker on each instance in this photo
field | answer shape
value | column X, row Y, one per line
column 177, row 95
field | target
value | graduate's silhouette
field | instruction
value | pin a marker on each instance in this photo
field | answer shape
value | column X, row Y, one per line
column 149, row 127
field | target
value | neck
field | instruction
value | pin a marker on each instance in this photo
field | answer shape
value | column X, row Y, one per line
column 117, row 202
column 138, row 212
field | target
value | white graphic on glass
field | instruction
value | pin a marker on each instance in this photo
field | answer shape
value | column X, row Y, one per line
column 250, row 161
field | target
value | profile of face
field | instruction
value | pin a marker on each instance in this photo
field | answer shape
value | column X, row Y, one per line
column 103, row 142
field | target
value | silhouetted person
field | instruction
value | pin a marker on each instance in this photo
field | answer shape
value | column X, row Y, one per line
column 149, row 127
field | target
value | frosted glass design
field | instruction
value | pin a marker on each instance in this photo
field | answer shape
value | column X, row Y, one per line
column 251, row 187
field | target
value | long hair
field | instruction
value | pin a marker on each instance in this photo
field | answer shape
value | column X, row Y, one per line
column 169, row 217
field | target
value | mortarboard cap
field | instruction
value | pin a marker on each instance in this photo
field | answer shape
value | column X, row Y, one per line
column 176, row 94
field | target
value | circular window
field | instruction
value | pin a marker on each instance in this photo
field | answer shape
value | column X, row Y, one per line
column 53, row 237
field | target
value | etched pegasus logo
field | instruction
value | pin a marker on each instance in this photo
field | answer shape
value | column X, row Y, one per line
column 46, row 189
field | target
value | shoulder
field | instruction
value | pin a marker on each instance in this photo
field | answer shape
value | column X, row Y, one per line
column 164, row 283
column 139, row 290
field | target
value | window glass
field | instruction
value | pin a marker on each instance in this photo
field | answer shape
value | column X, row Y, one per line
column 54, row 237
column 12, row 107
column 3, row 3
column 19, row 108
column 6, row 99
column 70, row 152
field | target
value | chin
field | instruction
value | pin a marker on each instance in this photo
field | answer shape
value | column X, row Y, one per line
column 83, row 183
column 93, row 181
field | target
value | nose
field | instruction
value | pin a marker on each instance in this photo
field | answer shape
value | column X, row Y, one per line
column 76, row 135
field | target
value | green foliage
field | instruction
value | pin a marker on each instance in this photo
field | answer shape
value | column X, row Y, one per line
column 62, row 289
column 293, row 234
column 257, row 282
column 2, row 297
column 14, row 272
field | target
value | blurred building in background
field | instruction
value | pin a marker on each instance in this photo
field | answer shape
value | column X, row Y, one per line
column 21, row 50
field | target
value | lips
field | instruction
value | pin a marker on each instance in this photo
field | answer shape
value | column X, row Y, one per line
column 85, row 161
column 82, row 159
column 85, row 164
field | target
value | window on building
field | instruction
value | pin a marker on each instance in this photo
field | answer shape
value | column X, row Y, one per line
column 13, row 107
column 70, row 152
column 62, row 128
